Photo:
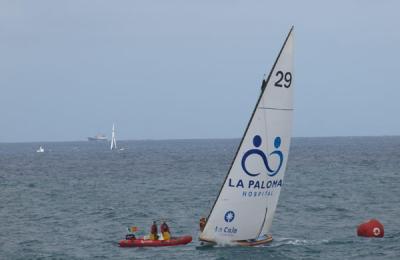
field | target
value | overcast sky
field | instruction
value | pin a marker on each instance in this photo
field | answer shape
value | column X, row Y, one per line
column 193, row 69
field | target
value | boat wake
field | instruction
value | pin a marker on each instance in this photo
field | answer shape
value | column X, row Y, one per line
column 277, row 242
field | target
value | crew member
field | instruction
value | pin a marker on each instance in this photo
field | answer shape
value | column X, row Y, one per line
column 202, row 223
column 153, row 231
column 165, row 231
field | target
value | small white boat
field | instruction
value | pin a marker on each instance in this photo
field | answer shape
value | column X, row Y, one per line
column 244, row 209
column 40, row 150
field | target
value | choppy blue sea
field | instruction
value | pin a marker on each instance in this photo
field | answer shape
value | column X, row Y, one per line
column 76, row 200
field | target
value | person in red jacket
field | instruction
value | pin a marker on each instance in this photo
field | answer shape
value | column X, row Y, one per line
column 165, row 231
column 153, row 231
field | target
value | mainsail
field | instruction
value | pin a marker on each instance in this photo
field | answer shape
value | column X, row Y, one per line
column 246, row 204
column 113, row 141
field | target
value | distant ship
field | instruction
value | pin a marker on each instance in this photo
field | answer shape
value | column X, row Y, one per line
column 98, row 137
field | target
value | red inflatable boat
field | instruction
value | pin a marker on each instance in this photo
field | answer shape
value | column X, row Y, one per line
column 140, row 242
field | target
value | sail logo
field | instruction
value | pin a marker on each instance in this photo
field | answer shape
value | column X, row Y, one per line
column 256, row 151
column 227, row 230
column 256, row 187
column 229, row 216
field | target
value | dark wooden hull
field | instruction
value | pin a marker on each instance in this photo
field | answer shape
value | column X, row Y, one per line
column 257, row 242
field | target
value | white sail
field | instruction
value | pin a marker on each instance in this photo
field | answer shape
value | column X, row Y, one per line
column 113, row 141
column 247, row 201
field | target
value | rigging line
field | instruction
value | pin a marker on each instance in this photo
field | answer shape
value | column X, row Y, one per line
column 263, row 223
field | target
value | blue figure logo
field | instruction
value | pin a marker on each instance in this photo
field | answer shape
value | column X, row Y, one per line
column 257, row 142
column 229, row 216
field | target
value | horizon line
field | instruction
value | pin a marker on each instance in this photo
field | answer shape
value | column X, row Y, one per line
column 194, row 138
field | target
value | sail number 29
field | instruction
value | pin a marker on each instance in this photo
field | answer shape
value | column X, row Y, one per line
column 284, row 79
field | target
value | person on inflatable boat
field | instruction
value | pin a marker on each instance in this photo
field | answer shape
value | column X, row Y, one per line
column 165, row 231
column 153, row 231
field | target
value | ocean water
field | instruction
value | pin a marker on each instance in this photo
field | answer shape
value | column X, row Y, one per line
column 76, row 200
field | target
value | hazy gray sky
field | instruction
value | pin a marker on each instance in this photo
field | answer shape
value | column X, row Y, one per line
column 192, row 69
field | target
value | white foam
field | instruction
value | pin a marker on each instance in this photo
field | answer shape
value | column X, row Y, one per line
column 298, row 242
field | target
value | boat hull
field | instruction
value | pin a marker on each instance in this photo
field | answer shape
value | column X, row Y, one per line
column 96, row 139
column 140, row 242
column 255, row 242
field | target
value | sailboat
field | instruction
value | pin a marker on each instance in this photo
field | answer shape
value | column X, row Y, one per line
column 244, row 209
column 113, row 141
column 40, row 150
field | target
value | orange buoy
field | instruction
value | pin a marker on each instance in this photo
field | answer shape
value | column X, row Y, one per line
column 372, row 228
